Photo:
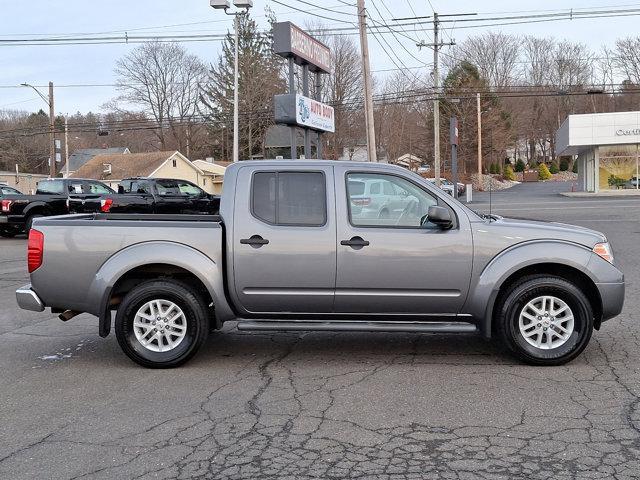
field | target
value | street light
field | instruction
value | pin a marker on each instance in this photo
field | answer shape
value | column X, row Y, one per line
column 224, row 5
column 52, row 119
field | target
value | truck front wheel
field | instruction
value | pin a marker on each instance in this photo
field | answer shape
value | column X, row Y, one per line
column 545, row 320
column 161, row 323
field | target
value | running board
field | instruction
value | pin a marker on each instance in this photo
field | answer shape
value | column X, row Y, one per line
column 357, row 326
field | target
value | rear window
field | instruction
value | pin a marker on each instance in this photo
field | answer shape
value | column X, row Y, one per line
column 50, row 187
column 289, row 198
column 355, row 188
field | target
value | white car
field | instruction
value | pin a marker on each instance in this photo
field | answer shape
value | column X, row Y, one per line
column 447, row 186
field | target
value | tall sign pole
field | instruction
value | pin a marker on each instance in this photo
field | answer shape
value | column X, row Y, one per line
column 368, row 95
column 303, row 111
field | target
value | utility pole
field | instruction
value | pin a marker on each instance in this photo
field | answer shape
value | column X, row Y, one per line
column 66, row 148
column 436, row 101
column 479, row 113
column 436, row 87
column 368, row 96
column 52, row 135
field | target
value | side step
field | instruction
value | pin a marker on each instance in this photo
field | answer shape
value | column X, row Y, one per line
column 357, row 326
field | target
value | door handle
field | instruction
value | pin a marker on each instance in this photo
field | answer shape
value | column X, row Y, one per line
column 355, row 242
column 256, row 241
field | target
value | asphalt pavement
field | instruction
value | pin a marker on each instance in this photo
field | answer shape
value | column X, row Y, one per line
column 326, row 405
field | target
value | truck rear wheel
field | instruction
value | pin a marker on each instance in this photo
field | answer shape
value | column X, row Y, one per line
column 161, row 323
column 545, row 320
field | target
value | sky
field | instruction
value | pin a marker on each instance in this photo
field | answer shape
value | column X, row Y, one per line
column 93, row 64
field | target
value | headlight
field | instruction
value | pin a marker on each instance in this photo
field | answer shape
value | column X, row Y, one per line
column 603, row 250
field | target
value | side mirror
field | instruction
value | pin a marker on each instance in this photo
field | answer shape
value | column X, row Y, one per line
column 439, row 216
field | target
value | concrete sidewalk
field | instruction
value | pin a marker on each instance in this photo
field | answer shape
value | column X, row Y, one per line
column 632, row 192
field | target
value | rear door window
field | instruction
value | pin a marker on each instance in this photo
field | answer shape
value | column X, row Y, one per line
column 50, row 187
column 289, row 198
column 97, row 188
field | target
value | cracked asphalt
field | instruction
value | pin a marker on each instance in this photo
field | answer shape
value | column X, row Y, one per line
column 326, row 405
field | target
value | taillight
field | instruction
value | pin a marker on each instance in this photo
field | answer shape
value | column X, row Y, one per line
column 361, row 202
column 35, row 249
column 105, row 205
column 6, row 205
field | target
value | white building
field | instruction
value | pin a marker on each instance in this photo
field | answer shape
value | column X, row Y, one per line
column 607, row 149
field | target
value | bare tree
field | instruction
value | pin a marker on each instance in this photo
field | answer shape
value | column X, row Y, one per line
column 627, row 58
column 164, row 80
column 495, row 54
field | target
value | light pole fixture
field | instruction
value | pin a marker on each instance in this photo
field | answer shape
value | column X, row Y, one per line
column 52, row 119
column 224, row 5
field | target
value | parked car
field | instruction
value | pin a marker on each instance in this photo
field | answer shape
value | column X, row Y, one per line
column 52, row 197
column 632, row 182
column 447, row 186
column 167, row 195
column 372, row 197
column 154, row 195
column 291, row 250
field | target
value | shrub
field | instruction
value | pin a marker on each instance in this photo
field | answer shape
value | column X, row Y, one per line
column 564, row 165
column 508, row 173
column 520, row 166
column 616, row 182
column 543, row 172
column 492, row 168
column 554, row 168
column 575, row 167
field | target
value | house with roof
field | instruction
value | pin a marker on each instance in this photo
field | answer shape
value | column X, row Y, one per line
column 214, row 172
column 113, row 168
column 409, row 161
column 83, row 155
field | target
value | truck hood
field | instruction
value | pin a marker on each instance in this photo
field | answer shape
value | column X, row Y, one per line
column 519, row 230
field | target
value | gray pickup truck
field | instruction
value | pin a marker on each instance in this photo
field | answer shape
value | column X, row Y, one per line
column 312, row 245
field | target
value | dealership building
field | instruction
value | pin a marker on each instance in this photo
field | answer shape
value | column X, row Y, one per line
column 606, row 146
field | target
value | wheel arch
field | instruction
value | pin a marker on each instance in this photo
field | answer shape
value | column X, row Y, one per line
column 149, row 260
column 566, row 272
column 563, row 259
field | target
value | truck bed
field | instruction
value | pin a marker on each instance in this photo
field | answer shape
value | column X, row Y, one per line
column 79, row 248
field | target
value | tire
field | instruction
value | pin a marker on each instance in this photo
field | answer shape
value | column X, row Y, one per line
column 553, row 339
column 29, row 223
column 8, row 233
column 157, row 354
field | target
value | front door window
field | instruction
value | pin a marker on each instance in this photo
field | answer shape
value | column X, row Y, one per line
column 379, row 200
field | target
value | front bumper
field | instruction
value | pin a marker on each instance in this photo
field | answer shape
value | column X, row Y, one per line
column 612, row 296
column 28, row 299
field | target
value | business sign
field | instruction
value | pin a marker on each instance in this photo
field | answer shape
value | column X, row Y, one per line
column 292, row 41
column 295, row 109
column 623, row 132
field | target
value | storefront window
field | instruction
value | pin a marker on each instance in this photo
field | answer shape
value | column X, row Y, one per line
column 618, row 166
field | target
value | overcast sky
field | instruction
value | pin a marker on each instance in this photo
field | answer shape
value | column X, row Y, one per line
column 93, row 64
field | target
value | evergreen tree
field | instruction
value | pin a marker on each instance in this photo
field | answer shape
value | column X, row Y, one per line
column 259, row 80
